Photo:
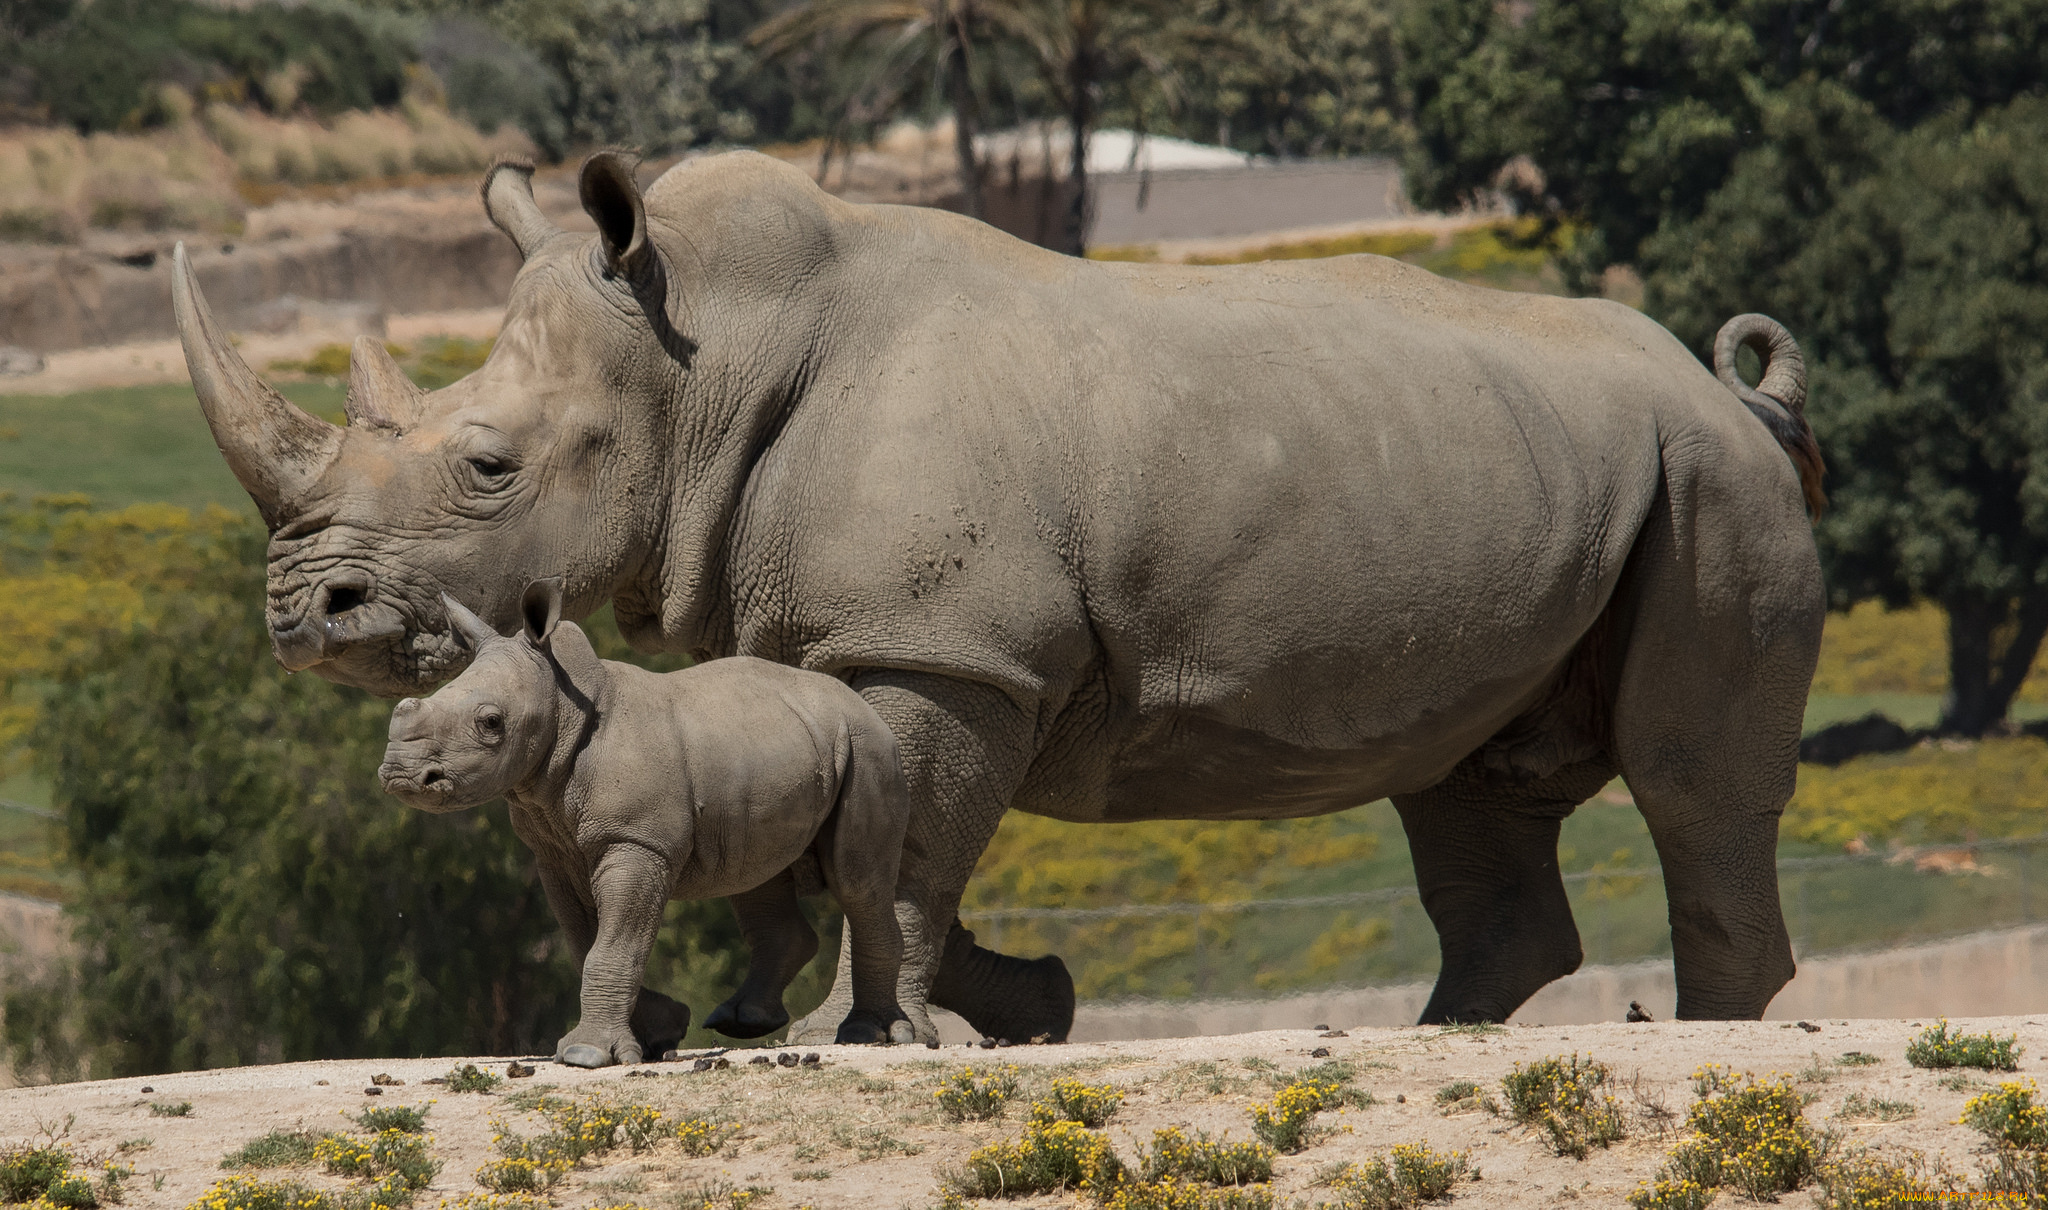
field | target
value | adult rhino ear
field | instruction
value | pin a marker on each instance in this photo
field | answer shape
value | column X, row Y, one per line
column 508, row 199
column 611, row 197
column 540, row 608
column 466, row 625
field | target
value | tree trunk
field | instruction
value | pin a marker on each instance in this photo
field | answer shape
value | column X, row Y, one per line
column 1991, row 648
column 1081, row 123
column 966, row 123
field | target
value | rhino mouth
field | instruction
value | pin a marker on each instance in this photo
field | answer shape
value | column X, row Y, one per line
column 398, row 666
column 427, row 786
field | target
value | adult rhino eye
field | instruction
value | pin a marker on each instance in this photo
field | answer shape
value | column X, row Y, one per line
column 489, row 468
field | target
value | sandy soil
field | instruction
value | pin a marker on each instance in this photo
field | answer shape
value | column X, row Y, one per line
column 861, row 1130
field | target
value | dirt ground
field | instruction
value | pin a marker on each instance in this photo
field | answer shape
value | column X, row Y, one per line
column 861, row 1128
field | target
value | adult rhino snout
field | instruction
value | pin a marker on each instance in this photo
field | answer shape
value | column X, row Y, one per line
column 340, row 612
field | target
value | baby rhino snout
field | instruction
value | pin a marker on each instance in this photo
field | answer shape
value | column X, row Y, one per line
column 412, row 769
column 413, row 775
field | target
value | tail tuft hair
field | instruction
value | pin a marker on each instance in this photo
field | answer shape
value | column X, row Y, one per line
column 1779, row 399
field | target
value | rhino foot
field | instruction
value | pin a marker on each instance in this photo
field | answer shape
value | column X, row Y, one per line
column 737, row 1018
column 591, row 1046
column 659, row 1022
column 584, row 1055
column 873, row 1029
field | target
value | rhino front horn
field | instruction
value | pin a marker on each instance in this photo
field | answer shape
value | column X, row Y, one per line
column 274, row 449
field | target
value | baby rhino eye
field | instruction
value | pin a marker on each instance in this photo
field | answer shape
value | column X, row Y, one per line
column 490, row 722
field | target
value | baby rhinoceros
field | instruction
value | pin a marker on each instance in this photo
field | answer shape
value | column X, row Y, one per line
column 737, row 777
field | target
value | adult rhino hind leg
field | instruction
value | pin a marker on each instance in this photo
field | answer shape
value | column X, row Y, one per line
column 1484, row 846
column 1724, row 608
column 965, row 747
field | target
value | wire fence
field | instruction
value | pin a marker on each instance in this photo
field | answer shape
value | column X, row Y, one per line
column 1381, row 934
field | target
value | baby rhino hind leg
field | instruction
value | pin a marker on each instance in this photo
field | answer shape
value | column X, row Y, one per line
column 780, row 941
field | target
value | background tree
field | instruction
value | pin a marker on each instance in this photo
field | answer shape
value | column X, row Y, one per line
column 1868, row 175
column 908, row 47
column 1288, row 78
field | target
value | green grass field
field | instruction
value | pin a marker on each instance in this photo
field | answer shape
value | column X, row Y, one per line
column 126, row 445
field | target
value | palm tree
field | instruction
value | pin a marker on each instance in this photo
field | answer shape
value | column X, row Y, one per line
column 924, row 39
column 1083, row 48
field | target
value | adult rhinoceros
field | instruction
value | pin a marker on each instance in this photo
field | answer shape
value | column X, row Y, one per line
column 1109, row 542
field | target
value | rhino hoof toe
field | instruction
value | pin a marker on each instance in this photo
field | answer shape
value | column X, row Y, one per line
column 585, row 1055
column 902, row 1033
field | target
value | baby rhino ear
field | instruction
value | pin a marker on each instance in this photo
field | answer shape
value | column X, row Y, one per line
column 540, row 607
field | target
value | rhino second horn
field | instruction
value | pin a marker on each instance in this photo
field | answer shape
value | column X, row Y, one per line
column 379, row 393
column 275, row 450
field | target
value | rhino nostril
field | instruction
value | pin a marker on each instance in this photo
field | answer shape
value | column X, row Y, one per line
column 341, row 600
column 433, row 777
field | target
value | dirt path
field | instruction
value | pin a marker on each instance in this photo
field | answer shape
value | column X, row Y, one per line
column 861, row 1129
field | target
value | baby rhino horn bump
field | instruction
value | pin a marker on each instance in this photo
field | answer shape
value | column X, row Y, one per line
column 275, row 450
column 379, row 393
column 470, row 627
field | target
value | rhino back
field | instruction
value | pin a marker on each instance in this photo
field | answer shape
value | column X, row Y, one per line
column 1268, row 539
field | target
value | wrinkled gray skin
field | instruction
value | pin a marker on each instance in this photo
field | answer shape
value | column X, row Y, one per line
column 736, row 777
column 1106, row 542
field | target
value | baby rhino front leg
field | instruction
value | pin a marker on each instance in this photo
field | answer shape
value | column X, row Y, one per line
column 631, row 886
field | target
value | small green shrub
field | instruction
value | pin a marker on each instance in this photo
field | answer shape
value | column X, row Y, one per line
column 578, row 1130
column 2020, row 1173
column 701, row 1136
column 1859, row 1108
column 1671, row 1193
column 1856, row 1058
column 398, row 1155
column 1285, row 1123
column 26, row 1173
column 278, row 1149
column 521, row 1175
column 494, row 1201
column 254, row 1193
column 170, row 1109
column 1204, row 1160
column 1171, row 1193
column 1567, row 1099
column 1464, row 1096
column 1742, row 1132
column 1051, row 1156
column 1936, row 1047
column 409, row 1119
column 1408, row 1175
column 966, row 1096
column 1869, row 1180
column 717, row 1194
column 2008, row 1116
column 1090, row 1105
column 471, row 1078
column 1759, row 1130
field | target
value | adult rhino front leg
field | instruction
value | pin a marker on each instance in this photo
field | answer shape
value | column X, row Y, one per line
column 965, row 748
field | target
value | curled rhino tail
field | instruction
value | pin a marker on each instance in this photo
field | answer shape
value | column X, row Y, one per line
column 1779, row 398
